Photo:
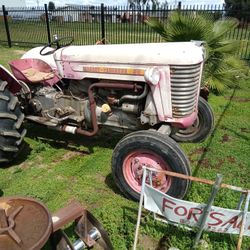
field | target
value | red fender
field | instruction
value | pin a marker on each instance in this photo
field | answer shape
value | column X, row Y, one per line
column 13, row 84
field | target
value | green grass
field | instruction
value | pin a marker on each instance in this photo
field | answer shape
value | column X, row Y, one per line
column 83, row 33
column 56, row 168
column 33, row 32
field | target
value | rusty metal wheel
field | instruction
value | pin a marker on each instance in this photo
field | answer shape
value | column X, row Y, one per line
column 26, row 224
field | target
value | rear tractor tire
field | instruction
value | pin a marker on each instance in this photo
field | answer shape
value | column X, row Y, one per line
column 202, row 127
column 11, row 129
column 155, row 150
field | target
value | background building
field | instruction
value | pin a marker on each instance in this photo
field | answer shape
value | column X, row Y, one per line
column 13, row 3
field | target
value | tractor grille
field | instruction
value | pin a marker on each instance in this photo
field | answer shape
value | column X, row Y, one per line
column 184, row 88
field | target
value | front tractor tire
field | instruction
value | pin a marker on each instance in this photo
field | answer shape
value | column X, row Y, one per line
column 202, row 127
column 11, row 130
column 149, row 148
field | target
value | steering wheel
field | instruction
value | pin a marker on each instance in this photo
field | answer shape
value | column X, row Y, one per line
column 56, row 42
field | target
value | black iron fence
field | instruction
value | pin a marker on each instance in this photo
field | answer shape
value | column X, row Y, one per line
column 112, row 24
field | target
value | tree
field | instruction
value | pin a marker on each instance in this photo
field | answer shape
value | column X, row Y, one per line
column 238, row 8
column 51, row 6
column 164, row 5
column 140, row 4
column 222, row 67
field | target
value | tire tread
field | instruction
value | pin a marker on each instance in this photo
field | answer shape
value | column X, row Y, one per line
column 11, row 120
column 154, row 140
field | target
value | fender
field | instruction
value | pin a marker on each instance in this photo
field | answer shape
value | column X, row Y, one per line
column 13, row 84
column 35, row 54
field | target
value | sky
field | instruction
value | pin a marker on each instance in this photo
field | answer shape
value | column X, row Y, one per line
column 114, row 2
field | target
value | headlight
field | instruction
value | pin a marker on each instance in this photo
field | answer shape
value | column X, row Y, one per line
column 152, row 75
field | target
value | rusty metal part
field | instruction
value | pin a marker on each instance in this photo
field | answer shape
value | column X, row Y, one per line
column 200, row 180
column 11, row 225
column 3, row 219
column 25, row 224
column 129, row 86
column 88, row 228
column 71, row 212
column 112, row 100
column 60, row 241
column 90, row 231
column 135, row 97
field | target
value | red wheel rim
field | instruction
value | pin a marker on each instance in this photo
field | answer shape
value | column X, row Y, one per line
column 133, row 170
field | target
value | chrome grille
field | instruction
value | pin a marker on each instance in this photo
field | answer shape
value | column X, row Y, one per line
column 184, row 88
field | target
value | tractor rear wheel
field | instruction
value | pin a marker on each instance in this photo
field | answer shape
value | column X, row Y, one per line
column 11, row 129
column 152, row 149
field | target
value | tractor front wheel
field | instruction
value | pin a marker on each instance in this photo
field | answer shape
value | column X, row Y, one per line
column 202, row 127
column 149, row 148
column 11, row 120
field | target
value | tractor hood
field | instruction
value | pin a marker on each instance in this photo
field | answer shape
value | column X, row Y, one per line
column 177, row 53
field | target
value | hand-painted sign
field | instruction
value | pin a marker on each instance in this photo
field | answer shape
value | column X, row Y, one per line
column 188, row 213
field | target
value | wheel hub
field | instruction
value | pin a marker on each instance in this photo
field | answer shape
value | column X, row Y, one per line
column 158, row 180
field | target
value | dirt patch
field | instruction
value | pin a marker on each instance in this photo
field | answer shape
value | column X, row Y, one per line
column 198, row 151
column 71, row 154
column 101, row 178
column 204, row 163
column 231, row 159
column 67, row 156
column 218, row 165
column 245, row 130
column 25, row 165
column 20, row 52
column 237, row 98
column 59, row 177
column 147, row 243
column 72, row 179
column 37, row 163
column 226, row 138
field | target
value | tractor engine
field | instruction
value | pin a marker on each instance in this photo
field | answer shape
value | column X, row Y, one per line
column 56, row 106
column 116, row 109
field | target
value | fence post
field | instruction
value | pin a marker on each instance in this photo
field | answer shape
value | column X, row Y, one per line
column 5, row 16
column 179, row 5
column 47, row 22
column 102, row 23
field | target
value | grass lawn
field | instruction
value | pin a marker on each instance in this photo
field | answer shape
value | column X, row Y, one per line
column 35, row 32
column 83, row 33
column 56, row 168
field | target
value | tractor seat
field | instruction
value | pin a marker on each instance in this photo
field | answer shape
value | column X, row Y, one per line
column 34, row 75
column 33, row 71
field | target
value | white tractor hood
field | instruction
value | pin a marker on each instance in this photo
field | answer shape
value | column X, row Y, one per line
column 177, row 53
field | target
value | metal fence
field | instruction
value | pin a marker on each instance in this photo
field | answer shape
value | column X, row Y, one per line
column 89, row 24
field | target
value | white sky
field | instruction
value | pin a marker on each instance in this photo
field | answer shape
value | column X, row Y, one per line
column 114, row 2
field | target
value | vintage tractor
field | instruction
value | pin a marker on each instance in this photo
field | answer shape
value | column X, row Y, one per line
column 148, row 91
